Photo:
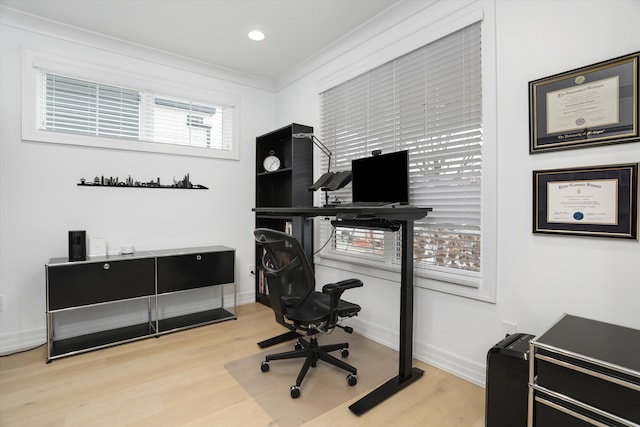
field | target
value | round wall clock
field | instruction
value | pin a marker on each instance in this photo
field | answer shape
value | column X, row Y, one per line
column 271, row 162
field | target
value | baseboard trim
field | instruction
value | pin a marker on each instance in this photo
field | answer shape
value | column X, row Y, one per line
column 453, row 364
column 14, row 342
column 246, row 297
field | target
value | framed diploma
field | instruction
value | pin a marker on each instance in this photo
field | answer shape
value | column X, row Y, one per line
column 589, row 106
column 597, row 201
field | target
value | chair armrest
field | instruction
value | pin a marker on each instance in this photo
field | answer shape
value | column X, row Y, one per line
column 335, row 291
column 341, row 286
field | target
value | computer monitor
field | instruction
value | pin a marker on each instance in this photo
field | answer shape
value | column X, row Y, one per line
column 381, row 178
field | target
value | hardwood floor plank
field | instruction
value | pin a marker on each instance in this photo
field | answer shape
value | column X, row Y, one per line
column 179, row 379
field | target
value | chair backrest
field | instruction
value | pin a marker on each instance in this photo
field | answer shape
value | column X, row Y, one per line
column 287, row 271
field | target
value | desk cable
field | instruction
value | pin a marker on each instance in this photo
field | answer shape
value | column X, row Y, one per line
column 333, row 231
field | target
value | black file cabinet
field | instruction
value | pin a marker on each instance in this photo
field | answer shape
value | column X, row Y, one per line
column 507, row 377
column 585, row 373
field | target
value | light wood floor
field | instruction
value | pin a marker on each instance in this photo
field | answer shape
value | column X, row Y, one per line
column 180, row 380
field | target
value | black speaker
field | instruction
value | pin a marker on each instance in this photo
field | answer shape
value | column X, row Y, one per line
column 507, row 382
column 77, row 245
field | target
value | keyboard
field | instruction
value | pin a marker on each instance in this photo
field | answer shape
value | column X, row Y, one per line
column 365, row 204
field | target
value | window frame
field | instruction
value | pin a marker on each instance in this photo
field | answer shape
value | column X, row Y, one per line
column 476, row 286
column 33, row 60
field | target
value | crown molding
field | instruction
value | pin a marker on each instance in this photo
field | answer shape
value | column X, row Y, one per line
column 49, row 28
column 358, row 38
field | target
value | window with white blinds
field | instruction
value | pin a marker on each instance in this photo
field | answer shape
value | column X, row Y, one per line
column 77, row 106
column 428, row 102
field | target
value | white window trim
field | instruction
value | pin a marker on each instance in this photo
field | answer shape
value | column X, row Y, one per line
column 479, row 288
column 103, row 73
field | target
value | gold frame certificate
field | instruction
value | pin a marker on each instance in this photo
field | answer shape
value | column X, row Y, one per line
column 589, row 201
column 591, row 106
column 588, row 106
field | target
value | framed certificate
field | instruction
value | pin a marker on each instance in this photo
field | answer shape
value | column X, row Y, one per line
column 589, row 106
column 597, row 201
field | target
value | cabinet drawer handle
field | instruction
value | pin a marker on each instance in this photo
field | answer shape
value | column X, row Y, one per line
column 198, row 257
column 106, row 266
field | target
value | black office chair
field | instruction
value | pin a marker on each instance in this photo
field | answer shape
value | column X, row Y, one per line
column 299, row 307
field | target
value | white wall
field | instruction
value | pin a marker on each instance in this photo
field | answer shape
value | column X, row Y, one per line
column 40, row 201
column 543, row 276
column 538, row 277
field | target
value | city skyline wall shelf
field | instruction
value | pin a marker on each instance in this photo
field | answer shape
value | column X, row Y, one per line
column 102, row 181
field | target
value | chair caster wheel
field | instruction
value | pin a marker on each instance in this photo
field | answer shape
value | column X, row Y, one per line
column 352, row 380
column 345, row 352
column 298, row 346
column 264, row 366
column 295, row 392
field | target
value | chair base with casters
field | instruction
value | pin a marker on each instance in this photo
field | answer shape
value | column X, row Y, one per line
column 300, row 308
column 287, row 336
column 312, row 352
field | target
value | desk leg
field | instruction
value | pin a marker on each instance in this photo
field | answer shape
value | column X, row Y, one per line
column 406, row 374
column 304, row 235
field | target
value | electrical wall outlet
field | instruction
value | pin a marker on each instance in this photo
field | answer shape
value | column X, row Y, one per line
column 509, row 328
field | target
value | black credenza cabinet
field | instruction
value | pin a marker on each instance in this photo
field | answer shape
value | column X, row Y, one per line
column 182, row 272
column 75, row 284
column 585, row 373
column 149, row 276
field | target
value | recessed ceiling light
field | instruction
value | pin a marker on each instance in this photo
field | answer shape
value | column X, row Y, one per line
column 256, row 35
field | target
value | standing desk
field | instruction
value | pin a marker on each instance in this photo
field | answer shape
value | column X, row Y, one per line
column 393, row 218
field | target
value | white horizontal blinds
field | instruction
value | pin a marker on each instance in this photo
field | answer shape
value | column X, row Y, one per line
column 360, row 242
column 74, row 105
column 226, row 123
column 345, row 134
column 448, row 161
column 381, row 134
column 183, row 122
column 428, row 102
column 382, row 129
column 344, row 121
column 80, row 106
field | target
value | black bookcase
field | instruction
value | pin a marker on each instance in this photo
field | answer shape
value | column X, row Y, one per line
column 284, row 187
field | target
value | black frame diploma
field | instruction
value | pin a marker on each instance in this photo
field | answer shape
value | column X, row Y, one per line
column 588, row 106
column 600, row 201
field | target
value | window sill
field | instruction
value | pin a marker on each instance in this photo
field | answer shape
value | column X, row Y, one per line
column 34, row 135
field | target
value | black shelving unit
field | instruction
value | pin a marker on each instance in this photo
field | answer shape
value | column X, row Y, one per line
column 100, row 339
column 194, row 319
column 284, row 187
